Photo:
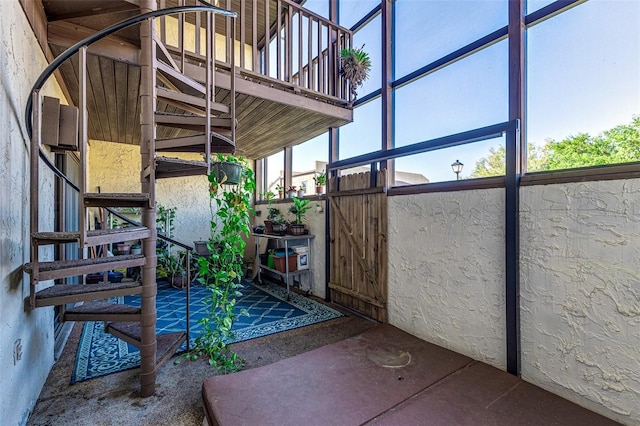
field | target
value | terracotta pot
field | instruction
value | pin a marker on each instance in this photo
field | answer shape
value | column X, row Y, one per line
column 292, row 262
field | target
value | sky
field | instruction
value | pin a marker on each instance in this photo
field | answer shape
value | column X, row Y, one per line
column 583, row 75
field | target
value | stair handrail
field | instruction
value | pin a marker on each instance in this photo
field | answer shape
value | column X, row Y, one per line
column 59, row 60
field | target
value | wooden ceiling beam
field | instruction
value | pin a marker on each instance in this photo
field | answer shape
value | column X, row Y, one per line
column 65, row 34
column 106, row 10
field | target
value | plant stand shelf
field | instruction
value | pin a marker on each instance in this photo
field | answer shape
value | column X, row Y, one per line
column 283, row 241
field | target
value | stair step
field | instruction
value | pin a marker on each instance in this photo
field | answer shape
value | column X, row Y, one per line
column 179, row 80
column 193, row 122
column 167, row 344
column 116, row 200
column 94, row 237
column 167, row 167
column 61, row 294
column 70, row 268
column 196, row 143
column 193, row 104
column 102, row 310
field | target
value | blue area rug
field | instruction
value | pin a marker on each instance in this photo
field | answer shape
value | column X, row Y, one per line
column 100, row 353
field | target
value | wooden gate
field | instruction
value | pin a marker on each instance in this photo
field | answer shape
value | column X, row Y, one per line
column 358, row 243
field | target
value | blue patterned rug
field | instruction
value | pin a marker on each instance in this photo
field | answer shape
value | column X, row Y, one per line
column 100, row 353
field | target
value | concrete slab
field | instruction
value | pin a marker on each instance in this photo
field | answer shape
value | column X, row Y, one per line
column 348, row 382
column 483, row 395
column 384, row 377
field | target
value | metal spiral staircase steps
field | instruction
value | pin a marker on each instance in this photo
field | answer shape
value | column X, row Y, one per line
column 94, row 237
column 135, row 325
column 102, row 310
column 61, row 294
column 101, row 199
column 130, row 332
column 69, row 268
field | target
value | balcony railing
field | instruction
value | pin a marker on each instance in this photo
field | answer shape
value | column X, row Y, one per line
column 276, row 40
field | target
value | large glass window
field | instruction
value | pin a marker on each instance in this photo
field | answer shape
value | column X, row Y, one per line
column 320, row 7
column 352, row 11
column 438, row 166
column 428, row 30
column 309, row 160
column 583, row 85
column 533, row 5
column 275, row 172
column 364, row 134
column 465, row 95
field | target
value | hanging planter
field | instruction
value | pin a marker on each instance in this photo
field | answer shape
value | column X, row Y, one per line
column 227, row 173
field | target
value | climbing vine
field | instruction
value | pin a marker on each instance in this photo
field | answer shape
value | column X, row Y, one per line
column 221, row 270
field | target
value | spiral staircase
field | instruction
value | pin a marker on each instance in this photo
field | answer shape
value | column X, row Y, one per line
column 195, row 122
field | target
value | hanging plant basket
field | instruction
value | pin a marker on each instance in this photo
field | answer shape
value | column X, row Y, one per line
column 227, row 173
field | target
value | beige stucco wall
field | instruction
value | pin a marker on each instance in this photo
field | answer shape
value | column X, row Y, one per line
column 21, row 61
column 315, row 221
column 115, row 167
column 580, row 293
column 446, row 270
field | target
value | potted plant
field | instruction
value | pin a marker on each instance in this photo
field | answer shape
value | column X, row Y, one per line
column 292, row 191
column 298, row 209
column 303, row 190
column 272, row 218
column 280, row 190
column 321, row 180
column 227, row 170
column 221, row 270
column 172, row 267
column 355, row 65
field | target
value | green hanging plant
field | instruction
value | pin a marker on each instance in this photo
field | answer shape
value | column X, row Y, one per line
column 355, row 65
column 221, row 271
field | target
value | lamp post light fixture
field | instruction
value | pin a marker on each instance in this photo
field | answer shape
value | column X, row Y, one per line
column 457, row 168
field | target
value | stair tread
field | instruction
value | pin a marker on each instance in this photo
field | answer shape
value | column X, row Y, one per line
column 167, row 167
column 102, row 307
column 133, row 331
column 61, row 290
column 194, row 104
column 196, row 143
column 126, row 199
column 63, row 264
column 75, row 235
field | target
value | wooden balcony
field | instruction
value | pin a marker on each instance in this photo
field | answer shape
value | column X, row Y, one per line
column 286, row 92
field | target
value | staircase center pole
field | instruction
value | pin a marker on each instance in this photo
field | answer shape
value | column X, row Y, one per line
column 148, row 342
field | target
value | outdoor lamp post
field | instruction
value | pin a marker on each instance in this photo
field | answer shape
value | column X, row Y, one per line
column 457, row 168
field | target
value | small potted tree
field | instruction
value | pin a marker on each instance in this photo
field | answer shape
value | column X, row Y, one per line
column 355, row 65
column 321, row 180
column 298, row 209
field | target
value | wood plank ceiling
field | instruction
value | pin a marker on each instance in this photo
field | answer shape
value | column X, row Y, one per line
column 265, row 126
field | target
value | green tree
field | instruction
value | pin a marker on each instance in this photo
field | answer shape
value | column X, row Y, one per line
column 618, row 145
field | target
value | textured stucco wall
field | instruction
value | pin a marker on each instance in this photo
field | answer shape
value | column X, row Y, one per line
column 21, row 61
column 315, row 221
column 580, row 293
column 446, row 270
column 115, row 167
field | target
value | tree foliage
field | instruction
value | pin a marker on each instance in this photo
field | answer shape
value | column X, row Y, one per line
column 618, row 145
